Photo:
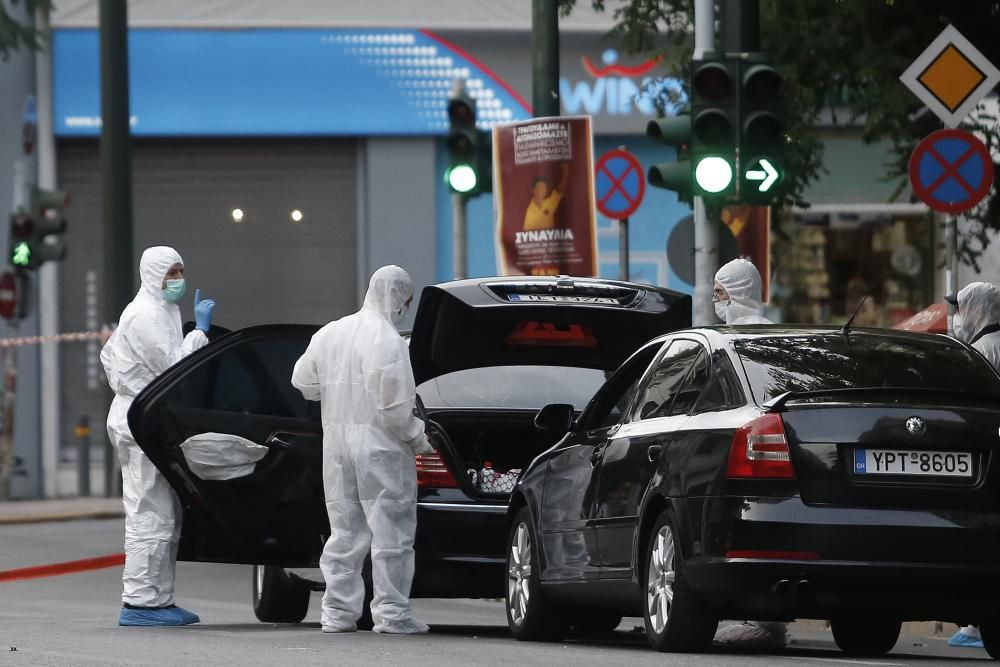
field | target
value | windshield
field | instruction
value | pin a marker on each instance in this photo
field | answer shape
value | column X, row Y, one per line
column 834, row 361
column 526, row 387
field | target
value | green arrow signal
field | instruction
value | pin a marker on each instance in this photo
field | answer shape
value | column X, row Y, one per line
column 21, row 255
column 767, row 175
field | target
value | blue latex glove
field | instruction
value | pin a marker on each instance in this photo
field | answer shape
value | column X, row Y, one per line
column 202, row 312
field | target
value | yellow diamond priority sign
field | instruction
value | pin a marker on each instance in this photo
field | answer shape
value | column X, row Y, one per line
column 951, row 76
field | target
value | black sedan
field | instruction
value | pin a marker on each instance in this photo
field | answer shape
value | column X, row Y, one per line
column 243, row 449
column 768, row 473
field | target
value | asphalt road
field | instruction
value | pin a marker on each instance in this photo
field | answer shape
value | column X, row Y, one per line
column 72, row 619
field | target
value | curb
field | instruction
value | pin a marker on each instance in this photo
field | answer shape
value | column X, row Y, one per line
column 65, row 516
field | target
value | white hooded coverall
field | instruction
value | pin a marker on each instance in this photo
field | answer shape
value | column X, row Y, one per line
column 979, row 307
column 359, row 368
column 147, row 342
column 743, row 284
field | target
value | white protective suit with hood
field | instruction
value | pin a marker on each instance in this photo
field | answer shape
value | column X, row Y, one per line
column 979, row 308
column 359, row 368
column 743, row 284
column 147, row 342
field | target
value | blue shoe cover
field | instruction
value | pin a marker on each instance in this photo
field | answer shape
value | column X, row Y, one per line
column 155, row 617
column 962, row 640
column 188, row 616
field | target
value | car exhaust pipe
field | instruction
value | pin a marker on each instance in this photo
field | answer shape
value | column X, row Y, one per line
column 782, row 587
column 802, row 587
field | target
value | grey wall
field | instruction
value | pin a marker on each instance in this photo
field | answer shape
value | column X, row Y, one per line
column 17, row 80
column 399, row 208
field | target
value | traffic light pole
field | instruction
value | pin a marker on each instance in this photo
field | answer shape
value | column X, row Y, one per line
column 545, row 57
column 706, row 233
column 460, row 235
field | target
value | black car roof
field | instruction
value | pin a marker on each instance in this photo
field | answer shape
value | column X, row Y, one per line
column 724, row 334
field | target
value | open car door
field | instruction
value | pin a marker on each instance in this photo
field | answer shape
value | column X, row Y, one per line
column 241, row 447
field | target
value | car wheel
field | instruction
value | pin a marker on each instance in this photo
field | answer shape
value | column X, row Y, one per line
column 990, row 632
column 595, row 623
column 865, row 636
column 676, row 619
column 278, row 597
column 530, row 616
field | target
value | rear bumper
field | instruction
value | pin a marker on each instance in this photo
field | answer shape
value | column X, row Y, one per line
column 460, row 549
column 918, row 565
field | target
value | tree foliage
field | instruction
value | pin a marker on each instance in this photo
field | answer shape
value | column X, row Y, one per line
column 841, row 60
column 18, row 32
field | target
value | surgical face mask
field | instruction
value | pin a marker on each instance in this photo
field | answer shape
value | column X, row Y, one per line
column 721, row 308
column 397, row 316
column 957, row 326
column 174, row 290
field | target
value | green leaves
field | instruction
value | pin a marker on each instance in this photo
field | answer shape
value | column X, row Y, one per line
column 18, row 32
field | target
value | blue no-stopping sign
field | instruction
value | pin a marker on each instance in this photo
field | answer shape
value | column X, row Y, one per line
column 951, row 171
column 619, row 184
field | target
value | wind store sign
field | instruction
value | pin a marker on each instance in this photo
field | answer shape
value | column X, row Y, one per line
column 618, row 90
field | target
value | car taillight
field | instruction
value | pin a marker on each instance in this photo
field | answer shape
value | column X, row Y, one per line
column 760, row 450
column 433, row 472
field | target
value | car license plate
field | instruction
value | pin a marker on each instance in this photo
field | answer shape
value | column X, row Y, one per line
column 908, row 462
column 554, row 298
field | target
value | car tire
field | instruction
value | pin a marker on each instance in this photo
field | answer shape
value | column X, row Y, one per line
column 685, row 624
column 595, row 623
column 990, row 632
column 277, row 596
column 865, row 636
column 530, row 615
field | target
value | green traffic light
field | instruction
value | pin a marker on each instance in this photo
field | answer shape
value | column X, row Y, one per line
column 462, row 178
column 767, row 174
column 713, row 174
column 21, row 255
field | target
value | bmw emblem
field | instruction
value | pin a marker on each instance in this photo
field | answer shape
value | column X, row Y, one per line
column 916, row 426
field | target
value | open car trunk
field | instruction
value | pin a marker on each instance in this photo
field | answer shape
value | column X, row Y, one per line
column 504, row 440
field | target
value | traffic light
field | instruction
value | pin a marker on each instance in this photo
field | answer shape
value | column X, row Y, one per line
column 35, row 237
column 470, row 152
column 762, row 131
column 673, row 131
column 714, row 123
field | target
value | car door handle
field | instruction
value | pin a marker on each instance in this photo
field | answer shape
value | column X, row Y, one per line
column 595, row 457
column 654, row 452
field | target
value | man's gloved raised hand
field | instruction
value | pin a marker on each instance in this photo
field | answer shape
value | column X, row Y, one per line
column 203, row 312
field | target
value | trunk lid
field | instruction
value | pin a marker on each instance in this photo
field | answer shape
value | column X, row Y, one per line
column 557, row 321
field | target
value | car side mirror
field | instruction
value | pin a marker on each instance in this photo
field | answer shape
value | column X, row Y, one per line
column 555, row 417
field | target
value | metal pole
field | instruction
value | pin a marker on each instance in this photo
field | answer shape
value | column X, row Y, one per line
column 48, row 274
column 545, row 57
column 461, row 253
column 951, row 262
column 116, row 168
column 741, row 26
column 83, row 456
column 706, row 237
column 623, row 268
column 9, row 402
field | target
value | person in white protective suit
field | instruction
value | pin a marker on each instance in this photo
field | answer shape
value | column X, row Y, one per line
column 977, row 322
column 737, row 294
column 147, row 341
column 359, row 368
column 738, row 300
column 977, row 319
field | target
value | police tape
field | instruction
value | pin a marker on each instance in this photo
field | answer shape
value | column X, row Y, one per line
column 69, row 567
column 73, row 337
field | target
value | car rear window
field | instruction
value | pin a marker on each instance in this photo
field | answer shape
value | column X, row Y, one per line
column 526, row 387
column 834, row 361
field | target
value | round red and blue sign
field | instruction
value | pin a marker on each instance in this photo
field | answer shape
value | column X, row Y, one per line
column 619, row 184
column 951, row 171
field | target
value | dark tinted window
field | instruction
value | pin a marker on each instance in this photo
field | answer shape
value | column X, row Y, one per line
column 253, row 377
column 670, row 371
column 723, row 390
column 834, row 361
column 614, row 398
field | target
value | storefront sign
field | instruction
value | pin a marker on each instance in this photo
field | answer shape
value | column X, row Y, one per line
column 620, row 184
column 544, row 196
column 951, row 76
column 951, row 171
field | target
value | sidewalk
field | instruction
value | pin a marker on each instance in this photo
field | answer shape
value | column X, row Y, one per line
column 61, row 509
